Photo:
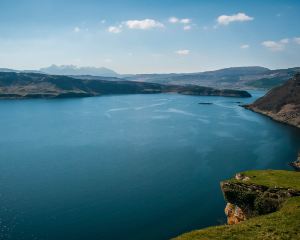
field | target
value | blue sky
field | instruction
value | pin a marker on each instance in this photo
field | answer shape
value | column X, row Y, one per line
column 150, row 36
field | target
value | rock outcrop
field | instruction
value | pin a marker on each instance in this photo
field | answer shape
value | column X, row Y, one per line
column 261, row 205
column 281, row 103
column 250, row 200
column 247, row 198
column 296, row 164
column 234, row 214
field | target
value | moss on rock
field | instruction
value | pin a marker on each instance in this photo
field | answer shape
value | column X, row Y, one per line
column 270, row 198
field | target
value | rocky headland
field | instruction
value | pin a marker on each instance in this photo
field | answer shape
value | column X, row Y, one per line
column 260, row 205
column 281, row 103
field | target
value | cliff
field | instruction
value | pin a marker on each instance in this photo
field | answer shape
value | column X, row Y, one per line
column 281, row 103
column 296, row 164
column 269, row 202
column 14, row 85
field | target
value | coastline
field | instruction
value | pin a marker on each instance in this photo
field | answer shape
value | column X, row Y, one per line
column 270, row 115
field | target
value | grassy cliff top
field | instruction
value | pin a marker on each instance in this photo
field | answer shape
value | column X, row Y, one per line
column 273, row 178
column 283, row 224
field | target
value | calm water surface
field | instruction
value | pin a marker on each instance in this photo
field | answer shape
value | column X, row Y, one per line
column 127, row 167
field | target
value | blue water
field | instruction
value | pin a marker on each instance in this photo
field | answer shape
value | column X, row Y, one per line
column 127, row 167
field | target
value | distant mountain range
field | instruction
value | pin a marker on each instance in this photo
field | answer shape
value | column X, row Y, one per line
column 253, row 77
column 20, row 85
column 74, row 70
column 70, row 70
column 236, row 77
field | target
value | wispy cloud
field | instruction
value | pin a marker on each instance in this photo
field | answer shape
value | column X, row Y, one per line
column 244, row 46
column 297, row 40
column 185, row 21
column 76, row 29
column 239, row 17
column 115, row 29
column 187, row 27
column 284, row 41
column 143, row 24
column 276, row 46
column 173, row 20
column 183, row 52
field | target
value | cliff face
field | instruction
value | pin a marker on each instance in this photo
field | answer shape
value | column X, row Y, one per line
column 268, row 200
column 249, row 200
column 296, row 164
column 248, row 195
column 281, row 103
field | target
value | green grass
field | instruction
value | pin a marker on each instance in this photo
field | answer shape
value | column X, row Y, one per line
column 281, row 225
column 273, row 178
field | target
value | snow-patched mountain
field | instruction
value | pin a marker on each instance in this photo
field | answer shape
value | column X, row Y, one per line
column 75, row 70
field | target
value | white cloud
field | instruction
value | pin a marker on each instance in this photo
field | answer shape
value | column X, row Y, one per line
column 187, row 27
column 173, row 20
column 143, row 24
column 239, row 17
column 276, row 46
column 273, row 46
column 245, row 46
column 185, row 20
column 115, row 29
column 284, row 41
column 297, row 40
column 183, row 52
column 76, row 29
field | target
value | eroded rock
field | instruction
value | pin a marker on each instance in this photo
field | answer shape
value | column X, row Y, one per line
column 234, row 214
column 296, row 164
column 250, row 200
column 241, row 177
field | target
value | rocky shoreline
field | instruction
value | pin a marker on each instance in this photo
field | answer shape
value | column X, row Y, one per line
column 281, row 104
column 290, row 117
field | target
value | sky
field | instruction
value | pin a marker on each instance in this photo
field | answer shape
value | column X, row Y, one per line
column 157, row 36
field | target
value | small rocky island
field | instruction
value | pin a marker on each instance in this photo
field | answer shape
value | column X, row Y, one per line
column 20, row 85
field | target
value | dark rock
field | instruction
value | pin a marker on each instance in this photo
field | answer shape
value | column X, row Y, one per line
column 255, row 200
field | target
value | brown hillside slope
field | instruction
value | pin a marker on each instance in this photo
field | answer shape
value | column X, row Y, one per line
column 281, row 103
